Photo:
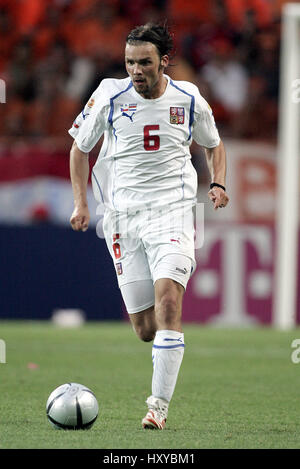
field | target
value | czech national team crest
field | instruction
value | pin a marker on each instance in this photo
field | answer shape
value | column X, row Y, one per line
column 119, row 268
column 177, row 115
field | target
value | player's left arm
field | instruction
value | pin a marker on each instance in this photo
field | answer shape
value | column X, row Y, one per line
column 216, row 162
column 206, row 134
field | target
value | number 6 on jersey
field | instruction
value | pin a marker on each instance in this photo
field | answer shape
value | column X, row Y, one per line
column 151, row 142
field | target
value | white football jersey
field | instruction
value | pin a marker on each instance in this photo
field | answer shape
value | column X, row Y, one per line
column 145, row 158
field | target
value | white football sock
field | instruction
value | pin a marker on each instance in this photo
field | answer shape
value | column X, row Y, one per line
column 167, row 354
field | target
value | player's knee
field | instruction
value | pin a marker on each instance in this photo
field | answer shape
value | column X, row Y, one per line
column 167, row 304
column 167, row 310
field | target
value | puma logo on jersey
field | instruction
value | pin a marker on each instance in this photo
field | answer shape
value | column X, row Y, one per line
column 84, row 115
column 126, row 108
column 127, row 115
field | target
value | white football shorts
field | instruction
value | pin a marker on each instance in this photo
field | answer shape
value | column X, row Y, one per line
column 147, row 245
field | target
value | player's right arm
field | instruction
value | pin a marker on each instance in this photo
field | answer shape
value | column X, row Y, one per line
column 79, row 172
column 86, row 130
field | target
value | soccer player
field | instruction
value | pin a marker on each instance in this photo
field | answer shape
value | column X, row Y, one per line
column 146, row 181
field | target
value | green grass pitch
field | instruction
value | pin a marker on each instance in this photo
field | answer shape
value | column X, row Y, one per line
column 237, row 388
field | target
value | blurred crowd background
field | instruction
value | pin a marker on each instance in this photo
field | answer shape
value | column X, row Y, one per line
column 54, row 53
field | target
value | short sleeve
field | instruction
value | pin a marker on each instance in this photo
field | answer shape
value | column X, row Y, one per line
column 90, row 124
column 205, row 132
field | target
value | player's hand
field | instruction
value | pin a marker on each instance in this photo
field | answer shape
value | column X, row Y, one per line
column 218, row 197
column 80, row 218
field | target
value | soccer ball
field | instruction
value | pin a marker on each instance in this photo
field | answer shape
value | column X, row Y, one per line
column 72, row 406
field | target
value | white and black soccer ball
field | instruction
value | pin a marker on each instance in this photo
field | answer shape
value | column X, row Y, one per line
column 72, row 406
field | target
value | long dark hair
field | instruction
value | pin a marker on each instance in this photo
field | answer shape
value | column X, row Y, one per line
column 157, row 34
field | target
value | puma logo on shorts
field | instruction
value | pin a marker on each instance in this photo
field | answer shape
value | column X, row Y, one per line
column 182, row 271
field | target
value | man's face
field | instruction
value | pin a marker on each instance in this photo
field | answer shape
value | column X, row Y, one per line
column 145, row 68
